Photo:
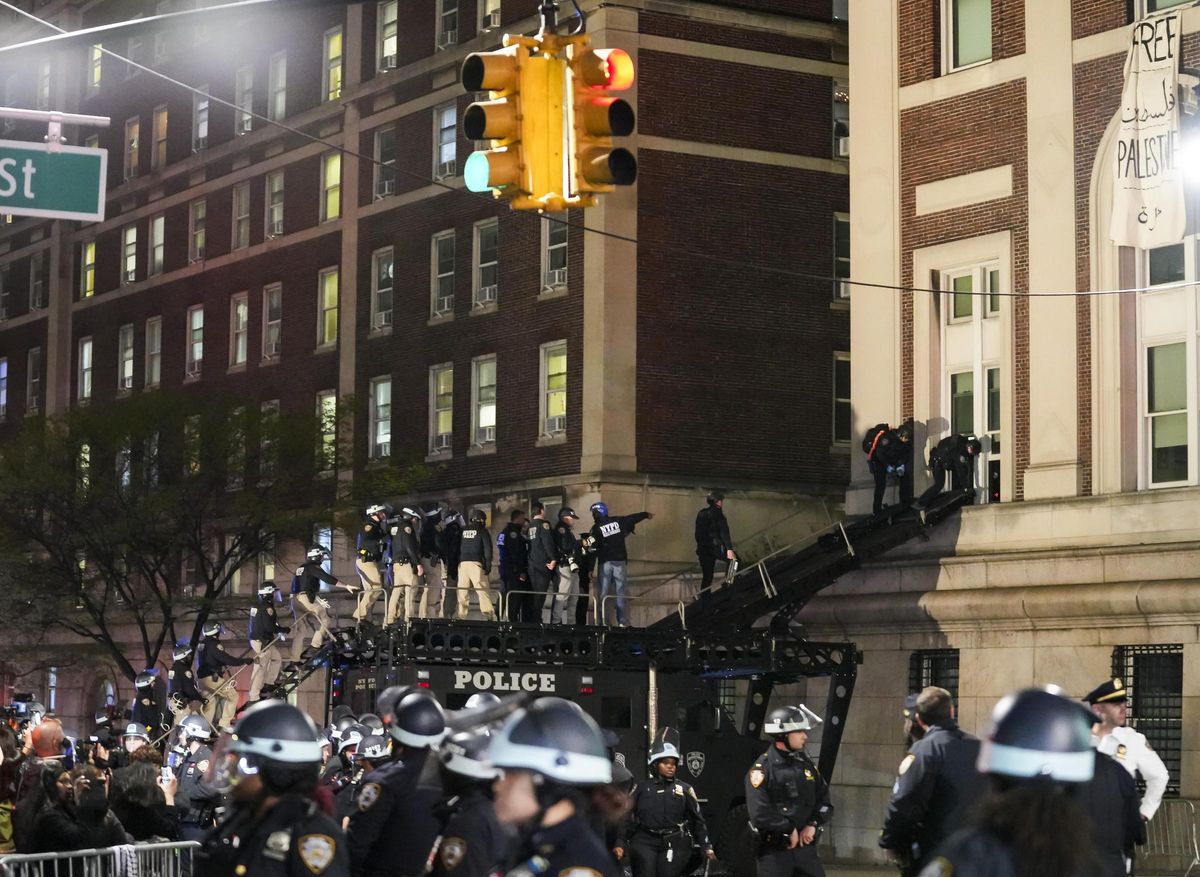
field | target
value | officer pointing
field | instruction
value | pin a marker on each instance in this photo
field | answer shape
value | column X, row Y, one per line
column 1112, row 736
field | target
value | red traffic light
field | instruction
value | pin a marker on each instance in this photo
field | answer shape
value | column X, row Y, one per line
column 605, row 68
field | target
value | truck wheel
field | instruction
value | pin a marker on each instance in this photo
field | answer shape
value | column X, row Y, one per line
column 735, row 847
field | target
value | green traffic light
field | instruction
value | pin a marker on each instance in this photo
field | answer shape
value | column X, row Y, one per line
column 477, row 172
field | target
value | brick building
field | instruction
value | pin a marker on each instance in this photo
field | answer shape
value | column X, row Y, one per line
column 521, row 359
column 988, row 183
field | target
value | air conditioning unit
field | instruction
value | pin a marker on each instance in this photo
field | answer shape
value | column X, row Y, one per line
column 556, row 278
column 199, row 143
column 385, row 188
column 127, row 382
column 843, row 147
column 131, row 172
column 491, row 20
column 446, row 169
column 271, row 348
column 486, row 295
column 556, row 425
column 3, row 313
column 383, row 449
column 441, row 442
column 382, row 320
column 193, row 368
column 131, row 275
column 485, row 435
column 275, row 229
column 843, row 289
column 447, row 38
column 197, row 255
column 445, row 304
column 387, row 62
column 247, row 124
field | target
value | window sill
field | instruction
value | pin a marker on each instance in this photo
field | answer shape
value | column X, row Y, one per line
column 481, row 450
column 839, row 448
column 438, row 319
column 384, row 332
column 236, row 368
column 438, row 456
column 548, row 441
column 324, row 348
column 191, row 379
column 268, row 360
column 840, row 304
column 479, row 310
column 950, row 71
column 549, row 293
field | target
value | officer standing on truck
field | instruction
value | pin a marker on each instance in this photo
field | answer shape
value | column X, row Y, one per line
column 612, row 558
column 182, row 693
column 562, row 606
column 514, row 563
column 713, row 541
column 265, row 635
column 475, row 566
column 450, row 539
column 370, row 555
column 787, row 797
column 543, row 565
column 212, row 664
column 427, row 601
column 664, row 820
column 406, row 567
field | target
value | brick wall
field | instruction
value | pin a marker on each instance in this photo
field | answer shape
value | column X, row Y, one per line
column 1096, row 16
column 679, row 28
column 919, row 25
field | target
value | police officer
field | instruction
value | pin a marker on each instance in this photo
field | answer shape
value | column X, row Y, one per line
column 450, row 543
column 274, row 828
column 473, row 841
column 612, row 557
column 371, row 540
column 475, row 565
column 1111, row 803
column 889, row 452
column 212, row 664
column 391, row 795
column 543, row 565
column 406, row 567
column 182, row 694
column 664, row 820
column 937, row 785
column 196, row 799
column 338, row 770
column 553, row 760
column 134, row 738
column 1109, row 703
column 265, row 634
column 427, row 599
column 787, row 797
column 148, row 710
column 515, row 564
column 562, row 605
column 370, row 754
column 912, row 731
column 955, row 454
column 713, row 541
column 311, row 610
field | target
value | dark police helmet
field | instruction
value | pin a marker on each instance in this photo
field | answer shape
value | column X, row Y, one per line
column 385, row 702
column 371, row 722
column 974, row 445
column 554, row 738
column 481, row 699
column 465, row 754
column 1039, row 734
column 714, row 497
column 281, row 743
column 418, row 720
column 786, row 719
column 478, row 516
column 567, row 512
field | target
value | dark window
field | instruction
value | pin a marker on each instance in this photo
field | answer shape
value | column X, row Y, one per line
column 934, row 667
column 1153, row 676
column 615, row 712
column 1166, row 265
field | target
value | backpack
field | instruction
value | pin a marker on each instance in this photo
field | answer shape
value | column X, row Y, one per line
column 872, row 436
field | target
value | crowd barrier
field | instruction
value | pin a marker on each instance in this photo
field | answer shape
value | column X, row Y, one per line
column 1171, row 839
column 128, row 860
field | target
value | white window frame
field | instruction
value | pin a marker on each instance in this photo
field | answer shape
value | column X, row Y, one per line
column 37, row 281
column 95, row 67
column 84, row 369
column 3, row 388
column 379, row 436
column 387, row 17
column 273, row 220
column 485, row 296
column 239, row 329
column 840, row 356
column 197, row 235
column 444, row 168
column 87, row 269
column 447, row 11
column 272, row 347
column 277, row 87
column 841, row 288
column 125, row 359
column 1142, row 8
column 326, row 431
column 129, row 241
column 194, row 357
column 984, row 275
column 323, row 341
column 200, row 110
column 153, row 376
column 132, row 144
column 331, row 63
column 440, row 444
column 158, row 234
column 547, row 428
column 45, row 85
column 33, row 381
column 243, row 96
column 555, row 279
column 331, row 191
column 158, row 148
column 385, row 169
column 241, row 216
column 488, row 21
column 839, row 98
column 442, row 306
column 478, row 439
column 133, row 52
column 381, row 318
column 948, row 65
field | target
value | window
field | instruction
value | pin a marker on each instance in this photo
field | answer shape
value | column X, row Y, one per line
column 381, row 288
column 554, row 388
column 386, row 32
column 83, row 385
column 841, row 255
column 33, row 381
column 158, row 153
column 441, row 408
column 197, row 214
column 963, row 299
column 483, row 400
column 487, row 262
column 1166, row 265
column 323, row 538
column 443, row 273
column 938, row 667
column 45, row 76
column 445, row 119
column 124, row 465
column 277, row 86
column 1166, row 413
column 381, row 418
column 235, row 463
column 991, row 290
column 52, row 689
column 158, row 227
column 326, row 430
column 327, row 290
column 195, row 342
column 489, row 14
column 272, row 340
column 268, row 420
column 962, row 403
column 841, row 118
column 133, row 128
column 200, row 118
column 153, row 352
column 125, row 358
column 191, row 444
column 128, row 254
column 331, row 80
column 3, row 387
column 331, row 186
column 241, row 216
column 966, row 33
column 87, row 274
column 841, row 397
column 1146, row 7
column 1153, row 678
column 5, row 287
column 274, row 204
column 244, row 98
column 554, row 249
column 95, row 58
column 37, row 280
column 239, row 328
column 447, row 34
column 385, row 157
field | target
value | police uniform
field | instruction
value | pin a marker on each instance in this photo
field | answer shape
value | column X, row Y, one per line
column 1111, row 802
column 562, row 607
column 786, row 792
column 449, row 542
column 393, row 829
column 370, row 554
column 568, row 849
column 181, row 688
column 474, row 567
column 514, row 567
column 212, row 662
column 542, row 553
column 427, row 598
column 265, row 633
column 473, row 841
column 1131, row 750
column 195, row 800
column 937, row 786
column 293, row 839
column 309, row 608
column 664, row 823
column 406, row 564
column 147, row 709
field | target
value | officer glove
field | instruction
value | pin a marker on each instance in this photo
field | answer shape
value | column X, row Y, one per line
column 323, row 602
column 900, row 470
column 891, row 470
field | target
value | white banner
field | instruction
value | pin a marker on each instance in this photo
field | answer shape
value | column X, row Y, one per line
column 1148, row 206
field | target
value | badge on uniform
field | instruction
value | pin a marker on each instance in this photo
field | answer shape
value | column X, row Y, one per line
column 1122, row 751
column 808, row 774
column 277, row 846
column 453, row 850
column 679, row 790
column 757, row 776
column 368, row 796
column 316, row 851
column 939, row 867
column 905, row 764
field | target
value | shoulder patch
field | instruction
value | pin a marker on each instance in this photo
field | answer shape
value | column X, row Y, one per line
column 692, row 792
column 757, row 776
column 408, row 530
column 906, row 763
column 202, row 766
column 545, row 525
column 368, row 796
column 939, row 867
column 453, row 850
column 316, row 851
column 253, row 611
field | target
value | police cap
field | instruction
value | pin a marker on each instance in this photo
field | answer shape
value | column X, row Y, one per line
column 1112, row 691
column 910, row 706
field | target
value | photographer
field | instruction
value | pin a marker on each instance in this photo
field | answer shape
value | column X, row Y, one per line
column 73, row 812
column 144, row 802
column 562, row 604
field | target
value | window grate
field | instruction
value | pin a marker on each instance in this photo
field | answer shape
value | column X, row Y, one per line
column 938, row 667
column 1153, row 676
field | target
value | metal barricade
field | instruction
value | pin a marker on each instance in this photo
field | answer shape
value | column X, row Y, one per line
column 547, row 596
column 128, row 860
column 1171, row 842
column 644, row 599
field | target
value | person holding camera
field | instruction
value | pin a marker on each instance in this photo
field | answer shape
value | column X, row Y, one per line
column 561, row 605
column 72, row 811
column 142, row 796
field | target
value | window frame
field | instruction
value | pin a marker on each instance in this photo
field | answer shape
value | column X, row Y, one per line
column 158, row 148
column 332, row 63
column 545, row 352
column 125, row 352
column 376, row 449
column 272, row 227
column 3, row 388
column 378, row 323
column 323, row 309
column 243, row 98
column 447, row 37
column 485, row 8
column 1164, row 733
column 95, row 75
column 443, row 169
column 478, row 301
column 948, row 65
column 846, row 401
column 476, row 402
column 925, row 670
column 384, row 183
column 201, row 107
column 193, row 364
column 239, row 329
column 382, row 25
column 157, row 256
column 272, row 289
column 152, row 377
column 197, row 230
column 436, row 309
column 33, row 381
column 277, row 86
column 437, row 447
column 555, row 283
column 132, row 147
column 329, row 191
column 240, row 225
column 87, row 269
column 326, row 433
column 37, row 281
column 129, row 242
column 841, row 288
column 85, row 366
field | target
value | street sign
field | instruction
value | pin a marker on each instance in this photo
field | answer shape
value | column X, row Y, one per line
column 66, row 184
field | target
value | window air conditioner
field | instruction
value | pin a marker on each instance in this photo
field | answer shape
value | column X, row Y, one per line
column 445, row 304
column 491, row 20
column 199, row 143
column 557, row 277
column 385, row 188
column 446, row 169
column 485, row 434
column 487, row 294
column 197, row 254
column 441, row 442
column 388, row 62
column 555, row 424
column 843, row 147
column 275, row 229
column 447, row 38
column 383, row 319
column 193, row 369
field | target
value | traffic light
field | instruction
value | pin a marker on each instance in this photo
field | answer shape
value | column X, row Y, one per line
column 497, row 120
column 596, row 165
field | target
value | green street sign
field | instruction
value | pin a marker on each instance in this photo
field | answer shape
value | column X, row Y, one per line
column 68, row 184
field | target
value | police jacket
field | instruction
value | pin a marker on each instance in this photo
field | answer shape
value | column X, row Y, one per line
column 712, row 533
column 370, row 541
column 264, row 625
column 659, row 805
column 569, row 846
column 195, row 799
column 933, row 795
column 1111, row 802
column 786, row 792
column 610, row 534
column 149, row 708
column 450, row 542
column 431, row 544
column 542, row 549
column 890, row 451
column 404, row 545
column 1131, row 750
column 212, row 659
column 567, row 543
column 516, row 551
column 476, row 546
column 309, row 577
column 950, row 452
column 293, row 839
column 181, row 681
column 390, row 798
column 473, row 841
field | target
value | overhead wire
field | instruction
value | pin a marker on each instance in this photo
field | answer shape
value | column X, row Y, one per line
column 543, row 216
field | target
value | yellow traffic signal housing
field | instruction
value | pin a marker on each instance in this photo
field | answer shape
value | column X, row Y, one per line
column 598, row 116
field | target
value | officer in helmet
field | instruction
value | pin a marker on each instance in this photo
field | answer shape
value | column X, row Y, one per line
column 274, row 826
column 664, row 820
column 212, row 666
column 713, row 542
column 309, row 607
column 196, row 798
column 337, row 771
column 1037, row 753
column 371, row 542
column 182, row 694
column 266, row 633
column 787, row 797
column 954, row 455
column 133, row 739
column 392, row 795
column 406, row 567
column 475, row 565
column 555, row 770
column 566, row 596
column 449, row 543
column 473, row 840
column 481, row 699
column 372, row 752
column 148, row 699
